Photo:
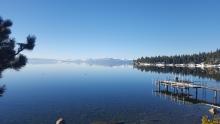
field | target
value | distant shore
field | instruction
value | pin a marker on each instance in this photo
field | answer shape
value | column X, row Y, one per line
column 202, row 65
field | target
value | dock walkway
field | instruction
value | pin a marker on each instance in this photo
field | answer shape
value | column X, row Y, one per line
column 182, row 89
column 186, row 85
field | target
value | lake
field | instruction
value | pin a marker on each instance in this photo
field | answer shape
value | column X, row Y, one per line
column 93, row 94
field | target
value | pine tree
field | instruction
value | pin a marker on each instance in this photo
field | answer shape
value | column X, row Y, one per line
column 10, row 50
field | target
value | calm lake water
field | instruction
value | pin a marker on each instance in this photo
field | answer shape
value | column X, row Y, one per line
column 84, row 94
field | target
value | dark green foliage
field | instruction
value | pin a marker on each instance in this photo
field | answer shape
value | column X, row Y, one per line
column 207, row 58
column 10, row 56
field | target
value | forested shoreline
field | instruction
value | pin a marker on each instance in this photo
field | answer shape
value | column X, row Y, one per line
column 204, row 57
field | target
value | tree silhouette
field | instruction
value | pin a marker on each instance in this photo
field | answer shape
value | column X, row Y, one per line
column 10, row 50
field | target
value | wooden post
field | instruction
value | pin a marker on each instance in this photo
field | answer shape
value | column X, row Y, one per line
column 174, row 90
column 159, row 86
column 181, row 91
column 196, row 93
column 187, row 92
column 215, row 96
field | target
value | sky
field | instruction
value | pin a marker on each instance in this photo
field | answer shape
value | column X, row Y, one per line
column 81, row 29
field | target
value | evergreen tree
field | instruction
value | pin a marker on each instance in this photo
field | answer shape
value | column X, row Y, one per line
column 10, row 50
column 208, row 58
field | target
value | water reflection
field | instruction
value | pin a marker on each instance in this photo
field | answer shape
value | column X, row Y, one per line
column 88, row 94
column 211, row 73
column 17, row 64
column 184, row 98
column 2, row 90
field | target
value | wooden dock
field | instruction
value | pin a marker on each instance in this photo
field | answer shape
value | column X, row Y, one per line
column 181, row 89
column 180, row 84
column 185, row 85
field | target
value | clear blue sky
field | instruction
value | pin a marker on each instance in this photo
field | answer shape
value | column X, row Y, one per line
column 72, row 29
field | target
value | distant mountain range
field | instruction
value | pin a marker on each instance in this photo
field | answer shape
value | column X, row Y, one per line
column 42, row 61
column 101, row 61
column 108, row 61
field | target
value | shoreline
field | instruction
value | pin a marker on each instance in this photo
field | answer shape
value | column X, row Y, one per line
column 178, row 65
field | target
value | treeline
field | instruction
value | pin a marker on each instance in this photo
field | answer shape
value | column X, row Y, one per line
column 206, row 57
